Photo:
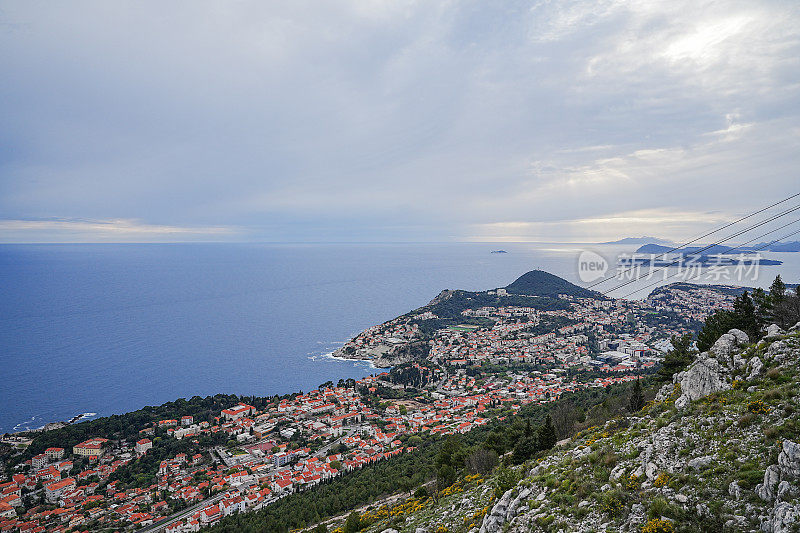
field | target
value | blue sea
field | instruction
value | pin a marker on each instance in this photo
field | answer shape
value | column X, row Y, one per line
column 110, row 328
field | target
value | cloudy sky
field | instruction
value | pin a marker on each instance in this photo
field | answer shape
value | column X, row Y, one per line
column 372, row 120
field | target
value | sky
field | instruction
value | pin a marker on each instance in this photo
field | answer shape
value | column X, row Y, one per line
column 377, row 121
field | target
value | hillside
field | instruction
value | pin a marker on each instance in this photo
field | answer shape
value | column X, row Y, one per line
column 541, row 283
column 717, row 450
column 690, row 250
column 535, row 289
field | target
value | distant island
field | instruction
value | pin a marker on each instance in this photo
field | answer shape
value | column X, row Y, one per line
column 640, row 240
column 651, row 248
column 699, row 255
column 499, row 252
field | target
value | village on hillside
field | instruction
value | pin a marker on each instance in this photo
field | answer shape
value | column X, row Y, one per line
column 244, row 457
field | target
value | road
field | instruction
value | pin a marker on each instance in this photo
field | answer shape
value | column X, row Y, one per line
column 182, row 514
column 322, row 452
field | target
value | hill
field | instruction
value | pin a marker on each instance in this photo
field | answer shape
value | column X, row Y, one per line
column 541, row 283
column 716, row 450
column 689, row 250
column 639, row 240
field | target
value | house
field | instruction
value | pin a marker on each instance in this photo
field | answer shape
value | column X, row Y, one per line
column 90, row 448
column 281, row 485
column 38, row 461
column 6, row 511
column 143, row 445
column 54, row 454
column 210, row 515
column 187, row 420
column 235, row 413
column 54, row 490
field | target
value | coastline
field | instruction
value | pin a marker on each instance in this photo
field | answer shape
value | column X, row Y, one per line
column 332, row 356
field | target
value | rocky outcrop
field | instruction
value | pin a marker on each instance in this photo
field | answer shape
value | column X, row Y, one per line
column 441, row 297
column 705, row 376
column 773, row 332
column 779, row 488
column 766, row 490
column 711, row 371
column 494, row 520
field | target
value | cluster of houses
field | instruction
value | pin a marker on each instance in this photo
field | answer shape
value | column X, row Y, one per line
column 692, row 301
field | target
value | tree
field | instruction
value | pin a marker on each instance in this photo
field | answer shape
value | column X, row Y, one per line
column 787, row 312
column 353, row 523
column 547, row 434
column 636, row 401
column 745, row 315
column 563, row 414
column 777, row 291
column 678, row 358
column 481, row 461
column 525, row 448
column 764, row 307
column 321, row 528
column 715, row 326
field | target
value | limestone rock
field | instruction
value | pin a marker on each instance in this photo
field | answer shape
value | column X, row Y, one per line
column 724, row 346
column 727, row 347
column 776, row 350
column 789, row 459
column 774, row 331
column 511, row 511
column 785, row 491
column 493, row 522
column 699, row 463
column 782, row 519
column 734, row 490
column 703, row 377
column 766, row 490
column 741, row 336
column 755, row 366
column 663, row 392
column 617, row 472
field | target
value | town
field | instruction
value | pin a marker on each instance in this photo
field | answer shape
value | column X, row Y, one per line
column 244, row 457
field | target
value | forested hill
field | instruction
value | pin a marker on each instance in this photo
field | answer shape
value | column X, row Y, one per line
column 541, row 283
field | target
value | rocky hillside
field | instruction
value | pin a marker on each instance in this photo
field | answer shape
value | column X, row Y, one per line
column 717, row 450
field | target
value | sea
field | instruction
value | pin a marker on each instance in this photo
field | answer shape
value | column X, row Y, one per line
column 98, row 329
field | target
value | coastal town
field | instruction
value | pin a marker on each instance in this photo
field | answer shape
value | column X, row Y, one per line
column 244, row 457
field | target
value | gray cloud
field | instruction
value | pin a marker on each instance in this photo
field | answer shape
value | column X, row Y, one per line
column 394, row 120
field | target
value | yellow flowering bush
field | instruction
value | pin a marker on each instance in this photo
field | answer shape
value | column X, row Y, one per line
column 657, row 525
column 661, row 480
column 757, row 407
column 631, row 482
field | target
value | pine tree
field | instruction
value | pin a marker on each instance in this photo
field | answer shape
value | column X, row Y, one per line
column 524, row 450
column 680, row 356
column 745, row 313
column 636, row 401
column 777, row 291
column 547, row 434
column 764, row 307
